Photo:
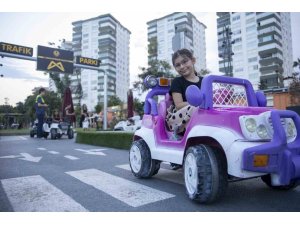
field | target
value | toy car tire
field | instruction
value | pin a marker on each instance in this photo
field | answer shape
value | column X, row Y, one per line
column 32, row 133
column 70, row 134
column 205, row 173
column 53, row 133
column 141, row 163
column 267, row 180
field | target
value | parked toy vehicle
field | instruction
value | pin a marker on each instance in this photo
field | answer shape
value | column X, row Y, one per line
column 231, row 136
column 33, row 129
column 132, row 124
column 55, row 129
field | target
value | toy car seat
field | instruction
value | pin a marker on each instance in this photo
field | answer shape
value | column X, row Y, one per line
column 164, row 104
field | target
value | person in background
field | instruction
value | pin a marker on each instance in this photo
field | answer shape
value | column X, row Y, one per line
column 40, row 107
column 84, row 114
column 70, row 115
column 56, row 118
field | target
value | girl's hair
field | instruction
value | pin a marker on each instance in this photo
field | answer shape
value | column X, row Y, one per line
column 182, row 52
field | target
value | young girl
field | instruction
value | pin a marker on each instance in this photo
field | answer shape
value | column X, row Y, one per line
column 179, row 113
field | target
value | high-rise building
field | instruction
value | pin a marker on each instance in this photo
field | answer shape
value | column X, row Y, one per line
column 175, row 31
column 256, row 46
column 103, row 38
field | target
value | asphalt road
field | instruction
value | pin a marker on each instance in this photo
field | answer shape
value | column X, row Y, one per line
column 61, row 175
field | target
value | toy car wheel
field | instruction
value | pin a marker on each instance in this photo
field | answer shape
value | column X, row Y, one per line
column 53, row 133
column 267, row 180
column 205, row 173
column 70, row 134
column 31, row 133
column 59, row 136
column 141, row 163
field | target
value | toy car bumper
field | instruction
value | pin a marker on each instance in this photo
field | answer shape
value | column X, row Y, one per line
column 277, row 157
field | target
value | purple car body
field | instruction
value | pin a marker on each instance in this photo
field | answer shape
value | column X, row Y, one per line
column 232, row 122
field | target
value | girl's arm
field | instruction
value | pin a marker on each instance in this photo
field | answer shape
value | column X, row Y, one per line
column 178, row 101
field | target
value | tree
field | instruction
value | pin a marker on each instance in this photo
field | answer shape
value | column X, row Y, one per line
column 20, row 107
column 98, row 108
column 114, row 101
column 60, row 83
column 294, row 86
column 51, row 98
column 297, row 63
column 138, row 106
column 157, row 68
column 203, row 72
column 262, row 85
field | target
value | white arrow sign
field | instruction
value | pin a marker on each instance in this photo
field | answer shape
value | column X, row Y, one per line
column 92, row 151
column 23, row 156
column 30, row 158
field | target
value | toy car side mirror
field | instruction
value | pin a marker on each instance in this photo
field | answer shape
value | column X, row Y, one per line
column 261, row 99
column 194, row 96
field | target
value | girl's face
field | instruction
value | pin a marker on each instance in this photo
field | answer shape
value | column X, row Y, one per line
column 184, row 65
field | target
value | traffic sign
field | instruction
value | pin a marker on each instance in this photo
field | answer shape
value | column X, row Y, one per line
column 54, row 60
column 87, row 61
column 16, row 49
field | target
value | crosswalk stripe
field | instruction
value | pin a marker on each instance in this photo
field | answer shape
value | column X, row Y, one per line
column 129, row 192
column 71, row 157
column 34, row 193
column 53, row 152
column 163, row 174
column 42, row 149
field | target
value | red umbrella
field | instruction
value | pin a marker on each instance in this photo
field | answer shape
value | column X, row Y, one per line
column 68, row 103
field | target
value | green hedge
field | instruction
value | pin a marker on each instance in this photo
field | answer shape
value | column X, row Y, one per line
column 14, row 132
column 112, row 139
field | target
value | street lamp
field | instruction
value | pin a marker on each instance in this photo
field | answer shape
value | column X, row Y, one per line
column 227, row 50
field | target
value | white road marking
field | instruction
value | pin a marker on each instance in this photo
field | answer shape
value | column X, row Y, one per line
column 30, row 158
column 129, row 192
column 71, row 157
column 92, row 151
column 22, row 138
column 163, row 174
column 42, row 149
column 34, row 193
column 10, row 156
column 25, row 156
column 54, row 152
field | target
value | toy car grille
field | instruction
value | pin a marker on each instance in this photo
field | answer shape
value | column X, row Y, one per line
column 229, row 95
column 64, row 126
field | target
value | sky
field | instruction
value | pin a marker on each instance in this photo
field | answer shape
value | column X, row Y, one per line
column 38, row 28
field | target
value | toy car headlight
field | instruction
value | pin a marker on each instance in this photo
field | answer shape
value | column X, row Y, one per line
column 262, row 132
column 250, row 124
column 290, row 128
column 256, row 127
column 151, row 81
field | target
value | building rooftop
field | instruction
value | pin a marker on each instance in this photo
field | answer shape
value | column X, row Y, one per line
column 100, row 17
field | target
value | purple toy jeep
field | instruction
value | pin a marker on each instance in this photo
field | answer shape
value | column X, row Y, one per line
column 231, row 136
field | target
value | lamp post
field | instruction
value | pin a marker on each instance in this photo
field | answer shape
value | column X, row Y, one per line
column 227, row 50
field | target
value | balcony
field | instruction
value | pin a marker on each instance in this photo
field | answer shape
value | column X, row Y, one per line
column 270, row 61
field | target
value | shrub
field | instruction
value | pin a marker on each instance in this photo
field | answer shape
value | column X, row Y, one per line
column 110, row 139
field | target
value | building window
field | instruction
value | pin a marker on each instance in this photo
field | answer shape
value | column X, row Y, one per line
column 253, row 59
column 239, row 70
column 250, row 28
column 236, row 18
